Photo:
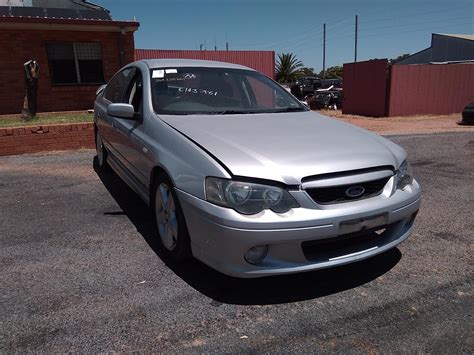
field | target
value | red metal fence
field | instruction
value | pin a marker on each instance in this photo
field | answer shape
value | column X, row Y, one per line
column 430, row 89
column 365, row 88
column 263, row 61
column 374, row 89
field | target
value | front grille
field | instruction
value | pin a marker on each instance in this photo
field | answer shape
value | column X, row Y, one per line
column 337, row 194
column 327, row 249
column 345, row 245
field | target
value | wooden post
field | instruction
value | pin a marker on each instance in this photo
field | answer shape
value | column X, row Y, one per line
column 32, row 70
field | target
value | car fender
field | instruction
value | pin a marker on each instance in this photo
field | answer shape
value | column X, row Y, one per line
column 186, row 163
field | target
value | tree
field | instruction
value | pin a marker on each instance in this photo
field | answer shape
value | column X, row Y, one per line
column 335, row 72
column 305, row 71
column 287, row 67
column 399, row 58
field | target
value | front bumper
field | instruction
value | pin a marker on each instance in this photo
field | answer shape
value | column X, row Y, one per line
column 297, row 240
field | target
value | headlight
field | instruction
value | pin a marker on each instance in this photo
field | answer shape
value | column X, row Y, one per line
column 248, row 198
column 404, row 175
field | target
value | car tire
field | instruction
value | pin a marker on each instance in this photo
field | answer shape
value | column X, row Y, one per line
column 173, row 236
column 101, row 152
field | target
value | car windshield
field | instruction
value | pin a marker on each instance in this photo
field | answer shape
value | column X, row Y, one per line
column 199, row 90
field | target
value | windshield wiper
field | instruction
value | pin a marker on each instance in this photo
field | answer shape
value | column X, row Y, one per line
column 291, row 109
column 232, row 112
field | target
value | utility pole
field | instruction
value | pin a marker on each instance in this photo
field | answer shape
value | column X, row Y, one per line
column 324, row 51
column 226, row 42
column 355, row 44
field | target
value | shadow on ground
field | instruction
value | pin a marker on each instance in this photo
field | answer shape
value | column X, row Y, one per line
column 225, row 289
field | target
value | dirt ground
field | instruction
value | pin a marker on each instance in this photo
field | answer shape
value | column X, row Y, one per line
column 404, row 124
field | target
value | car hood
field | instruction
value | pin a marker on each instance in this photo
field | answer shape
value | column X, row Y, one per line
column 286, row 147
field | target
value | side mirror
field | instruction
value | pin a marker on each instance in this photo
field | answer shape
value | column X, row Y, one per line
column 304, row 103
column 121, row 110
column 100, row 89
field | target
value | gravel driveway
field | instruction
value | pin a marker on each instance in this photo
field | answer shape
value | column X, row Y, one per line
column 80, row 271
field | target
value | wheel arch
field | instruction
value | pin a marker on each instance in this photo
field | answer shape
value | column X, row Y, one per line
column 155, row 172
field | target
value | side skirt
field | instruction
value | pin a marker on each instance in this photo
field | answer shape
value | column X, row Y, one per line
column 129, row 178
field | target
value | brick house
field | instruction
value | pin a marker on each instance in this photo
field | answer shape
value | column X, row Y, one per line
column 76, row 43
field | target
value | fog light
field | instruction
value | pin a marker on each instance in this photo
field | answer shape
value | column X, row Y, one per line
column 255, row 255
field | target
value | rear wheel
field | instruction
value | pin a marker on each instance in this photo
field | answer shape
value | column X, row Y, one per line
column 172, row 232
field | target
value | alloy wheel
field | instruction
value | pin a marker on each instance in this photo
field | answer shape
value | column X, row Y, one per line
column 165, row 211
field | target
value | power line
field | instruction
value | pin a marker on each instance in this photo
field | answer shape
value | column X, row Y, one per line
column 412, row 15
column 284, row 40
column 363, row 29
column 417, row 23
column 303, row 36
column 410, row 31
column 296, row 40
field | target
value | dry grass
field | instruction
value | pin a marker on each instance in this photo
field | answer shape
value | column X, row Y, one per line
column 46, row 118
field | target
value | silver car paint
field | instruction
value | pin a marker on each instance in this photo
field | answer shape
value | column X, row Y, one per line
column 284, row 147
column 159, row 146
column 222, row 236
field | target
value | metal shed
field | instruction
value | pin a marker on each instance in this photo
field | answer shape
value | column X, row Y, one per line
column 444, row 48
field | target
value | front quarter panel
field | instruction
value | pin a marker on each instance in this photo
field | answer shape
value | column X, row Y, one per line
column 185, row 162
column 163, row 147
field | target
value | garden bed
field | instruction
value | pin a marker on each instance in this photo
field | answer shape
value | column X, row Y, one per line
column 46, row 119
column 46, row 132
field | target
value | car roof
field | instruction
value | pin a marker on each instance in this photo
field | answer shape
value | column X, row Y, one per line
column 178, row 63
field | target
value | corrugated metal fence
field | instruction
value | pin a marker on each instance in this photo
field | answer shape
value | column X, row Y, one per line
column 374, row 88
column 430, row 89
column 263, row 61
column 365, row 88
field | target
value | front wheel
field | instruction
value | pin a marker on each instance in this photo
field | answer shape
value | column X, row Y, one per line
column 172, row 231
column 101, row 151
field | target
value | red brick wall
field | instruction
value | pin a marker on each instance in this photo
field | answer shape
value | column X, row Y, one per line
column 17, row 46
column 34, row 139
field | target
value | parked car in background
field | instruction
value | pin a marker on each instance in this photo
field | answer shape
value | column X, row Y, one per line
column 305, row 86
column 335, row 83
column 245, row 178
column 468, row 114
column 326, row 99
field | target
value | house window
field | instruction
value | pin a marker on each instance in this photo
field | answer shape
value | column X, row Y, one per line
column 75, row 63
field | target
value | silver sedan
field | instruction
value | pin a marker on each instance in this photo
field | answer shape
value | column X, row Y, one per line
column 244, row 177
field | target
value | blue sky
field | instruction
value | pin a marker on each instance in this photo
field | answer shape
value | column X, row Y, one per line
column 386, row 28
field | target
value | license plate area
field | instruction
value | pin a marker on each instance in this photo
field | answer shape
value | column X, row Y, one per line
column 361, row 224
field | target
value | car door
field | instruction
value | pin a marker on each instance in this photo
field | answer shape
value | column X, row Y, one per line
column 114, row 92
column 129, row 132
